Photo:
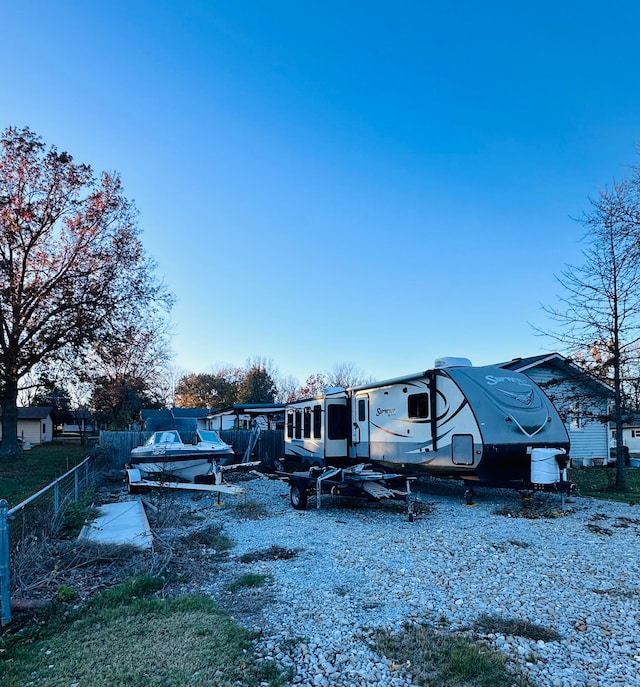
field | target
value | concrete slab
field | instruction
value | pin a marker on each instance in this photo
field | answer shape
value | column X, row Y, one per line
column 124, row 522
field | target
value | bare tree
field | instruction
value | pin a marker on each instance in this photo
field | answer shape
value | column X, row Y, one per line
column 288, row 387
column 599, row 309
column 347, row 375
column 71, row 263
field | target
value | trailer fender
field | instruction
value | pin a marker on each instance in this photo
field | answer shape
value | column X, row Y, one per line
column 133, row 476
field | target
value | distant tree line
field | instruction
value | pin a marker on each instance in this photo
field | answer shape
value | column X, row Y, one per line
column 258, row 382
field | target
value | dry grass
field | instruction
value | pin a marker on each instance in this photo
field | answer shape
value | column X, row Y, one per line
column 515, row 627
column 435, row 658
column 273, row 553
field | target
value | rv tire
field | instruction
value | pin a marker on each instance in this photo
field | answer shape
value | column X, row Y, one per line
column 298, row 497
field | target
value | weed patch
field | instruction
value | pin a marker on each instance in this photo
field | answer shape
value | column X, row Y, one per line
column 532, row 511
column 597, row 529
column 251, row 510
column 210, row 537
column 273, row 553
column 516, row 627
column 249, row 580
column 438, row 659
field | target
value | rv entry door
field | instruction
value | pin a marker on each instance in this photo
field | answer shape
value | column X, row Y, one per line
column 360, row 428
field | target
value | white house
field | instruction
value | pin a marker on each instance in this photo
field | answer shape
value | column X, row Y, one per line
column 581, row 400
column 630, row 436
column 241, row 416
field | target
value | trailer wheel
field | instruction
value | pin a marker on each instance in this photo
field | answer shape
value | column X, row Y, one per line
column 298, row 497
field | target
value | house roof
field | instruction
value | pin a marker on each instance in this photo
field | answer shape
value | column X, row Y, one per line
column 559, row 362
column 248, row 409
column 521, row 364
column 164, row 414
column 34, row 412
column 190, row 412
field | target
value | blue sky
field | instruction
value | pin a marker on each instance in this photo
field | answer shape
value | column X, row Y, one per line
column 374, row 183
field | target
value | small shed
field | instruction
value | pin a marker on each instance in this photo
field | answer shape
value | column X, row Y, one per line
column 34, row 424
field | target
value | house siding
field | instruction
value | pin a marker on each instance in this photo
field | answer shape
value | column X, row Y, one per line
column 591, row 439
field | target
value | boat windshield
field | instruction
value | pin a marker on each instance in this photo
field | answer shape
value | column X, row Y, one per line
column 209, row 436
column 163, row 438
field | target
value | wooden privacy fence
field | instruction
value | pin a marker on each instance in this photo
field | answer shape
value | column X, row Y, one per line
column 269, row 447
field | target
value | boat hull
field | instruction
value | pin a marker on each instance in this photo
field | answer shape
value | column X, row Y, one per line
column 186, row 469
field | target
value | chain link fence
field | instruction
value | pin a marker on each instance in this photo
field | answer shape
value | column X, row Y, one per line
column 37, row 516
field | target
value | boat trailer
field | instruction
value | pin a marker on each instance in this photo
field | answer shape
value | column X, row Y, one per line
column 211, row 482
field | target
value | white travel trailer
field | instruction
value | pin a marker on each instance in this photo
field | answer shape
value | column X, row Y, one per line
column 484, row 425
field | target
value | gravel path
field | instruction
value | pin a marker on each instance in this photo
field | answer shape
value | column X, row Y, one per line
column 366, row 567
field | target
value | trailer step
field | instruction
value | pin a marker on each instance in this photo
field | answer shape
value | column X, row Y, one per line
column 378, row 491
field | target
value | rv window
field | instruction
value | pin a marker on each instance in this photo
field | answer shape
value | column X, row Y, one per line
column 298, row 424
column 362, row 410
column 307, row 423
column 290, row 424
column 317, row 422
column 337, row 428
column 418, row 405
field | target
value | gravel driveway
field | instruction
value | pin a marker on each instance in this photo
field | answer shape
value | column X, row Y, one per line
column 363, row 566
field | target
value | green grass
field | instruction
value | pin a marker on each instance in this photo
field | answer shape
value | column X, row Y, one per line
column 248, row 580
column 128, row 637
column 440, row 659
column 599, row 482
column 34, row 469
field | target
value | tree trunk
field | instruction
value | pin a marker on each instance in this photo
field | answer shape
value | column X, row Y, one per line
column 9, row 448
column 621, row 467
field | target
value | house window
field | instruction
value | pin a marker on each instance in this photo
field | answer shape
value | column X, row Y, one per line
column 307, row 423
column 574, row 417
column 290, row 424
column 635, row 433
column 418, row 405
column 44, row 428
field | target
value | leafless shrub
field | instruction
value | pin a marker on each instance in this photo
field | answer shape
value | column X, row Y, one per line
column 251, row 510
column 516, row 627
column 210, row 537
column 273, row 553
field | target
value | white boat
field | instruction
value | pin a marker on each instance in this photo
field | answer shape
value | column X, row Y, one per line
column 164, row 453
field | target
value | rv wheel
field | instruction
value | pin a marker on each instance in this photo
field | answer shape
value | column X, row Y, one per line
column 298, row 497
column 278, row 465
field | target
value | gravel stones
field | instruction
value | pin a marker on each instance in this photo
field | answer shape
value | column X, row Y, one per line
column 365, row 567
